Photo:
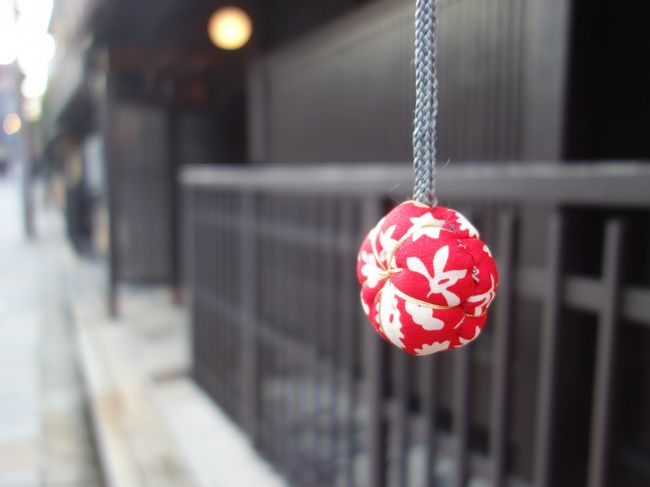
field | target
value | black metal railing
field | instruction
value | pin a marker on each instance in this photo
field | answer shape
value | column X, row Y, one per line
column 281, row 344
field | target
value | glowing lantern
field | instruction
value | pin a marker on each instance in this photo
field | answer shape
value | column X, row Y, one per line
column 230, row 28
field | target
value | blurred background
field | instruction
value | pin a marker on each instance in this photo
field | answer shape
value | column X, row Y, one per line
column 183, row 188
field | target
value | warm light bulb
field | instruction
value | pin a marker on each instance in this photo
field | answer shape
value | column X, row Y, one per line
column 230, row 28
column 11, row 124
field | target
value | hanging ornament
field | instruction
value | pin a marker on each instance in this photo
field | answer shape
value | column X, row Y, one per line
column 427, row 280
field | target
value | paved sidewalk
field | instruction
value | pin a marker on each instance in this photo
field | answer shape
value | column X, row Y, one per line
column 86, row 401
column 155, row 426
column 44, row 436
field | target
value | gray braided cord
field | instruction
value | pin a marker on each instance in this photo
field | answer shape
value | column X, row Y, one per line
column 426, row 102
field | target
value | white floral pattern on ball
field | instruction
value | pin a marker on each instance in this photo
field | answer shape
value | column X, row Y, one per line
column 441, row 280
column 423, row 316
column 389, row 316
column 428, row 349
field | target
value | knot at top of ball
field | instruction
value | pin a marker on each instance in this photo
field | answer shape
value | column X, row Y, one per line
column 427, row 279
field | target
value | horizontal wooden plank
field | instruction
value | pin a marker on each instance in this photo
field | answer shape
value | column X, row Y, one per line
column 622, row 184
column 294, row 235
column 586, row 293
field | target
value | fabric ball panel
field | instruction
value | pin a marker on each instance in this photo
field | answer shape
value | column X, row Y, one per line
column 427, row 279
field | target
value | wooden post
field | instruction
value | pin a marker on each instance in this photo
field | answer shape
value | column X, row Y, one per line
column 105, row 95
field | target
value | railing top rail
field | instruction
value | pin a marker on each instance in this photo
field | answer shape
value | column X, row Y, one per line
column 608, row 183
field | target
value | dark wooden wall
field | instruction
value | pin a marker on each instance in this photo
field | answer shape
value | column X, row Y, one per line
column 280, row 21
column 140, row 169
column 345, row 93
column 609, row 77
column 206, row 137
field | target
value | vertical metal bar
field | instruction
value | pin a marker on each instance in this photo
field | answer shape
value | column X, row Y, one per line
column 248, row 313
column 229, row 266
column 332, row 303
column 302, row 333
column 189, row 256
column 105, row 103
column 606, row 354
column 236, row 342
column 294, row 323
column 549, row 349
column 373, row 376
column 349, row 349
column 276, row 352
column 210, row 254
column 337, row 303
column 218, row 316
column 429, row 399
column 263, row 316
column 192, row 276
column 273, row 290
column 315, row 370
column 403, row 386
column 202, row 282
column 175, row 217
column 223, row 324
column 212, row 259
column 346, row 309
column 462, row 363
column 308, row 474
column 220, row 321
column 462, row 397
column 321, row 324
column 228, row 327
column 196, row 277
column 284, row 258
column 503, row 330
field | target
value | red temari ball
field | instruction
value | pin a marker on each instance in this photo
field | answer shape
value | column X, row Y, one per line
column 427, row 279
